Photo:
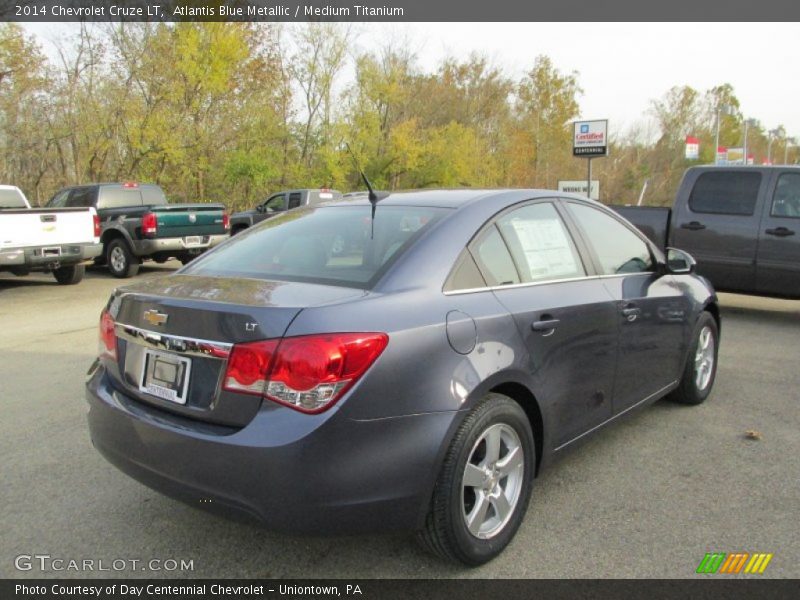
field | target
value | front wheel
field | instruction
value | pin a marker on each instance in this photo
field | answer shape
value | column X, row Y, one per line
column 483, row 489
column 69, row 275
column 701, row 365
column 121, row 261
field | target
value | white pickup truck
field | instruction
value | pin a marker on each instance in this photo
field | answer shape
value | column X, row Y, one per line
column 55, row 240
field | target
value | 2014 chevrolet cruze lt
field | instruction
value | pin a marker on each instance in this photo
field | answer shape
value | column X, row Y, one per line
column 330, row 372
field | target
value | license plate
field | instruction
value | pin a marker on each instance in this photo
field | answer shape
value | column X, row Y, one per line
column 192, row 240
column 165, row 376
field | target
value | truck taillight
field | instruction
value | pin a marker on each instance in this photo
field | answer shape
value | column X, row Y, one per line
column 149, row 224
column 307, row 373
column 96, row 221
column 226, row 221
column 108, row 337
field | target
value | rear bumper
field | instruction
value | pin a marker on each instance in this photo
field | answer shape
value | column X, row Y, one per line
column 49, row 257
column 298, row 473
column 176, row 245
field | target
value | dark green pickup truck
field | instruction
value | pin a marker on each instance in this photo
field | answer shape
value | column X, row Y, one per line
column 138, row 223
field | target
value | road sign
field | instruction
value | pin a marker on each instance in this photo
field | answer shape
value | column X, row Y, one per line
column 590, row 138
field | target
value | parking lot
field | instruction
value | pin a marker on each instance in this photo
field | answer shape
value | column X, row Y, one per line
column 647, row 497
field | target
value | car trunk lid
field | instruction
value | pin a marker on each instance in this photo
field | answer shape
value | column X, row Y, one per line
column 174, row 335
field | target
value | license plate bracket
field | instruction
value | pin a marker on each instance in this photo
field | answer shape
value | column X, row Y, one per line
column 192, row 241
column 165, row 376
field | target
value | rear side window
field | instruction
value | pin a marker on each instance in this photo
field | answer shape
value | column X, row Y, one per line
column 119, row 196
column 540, row 244
column 329, row 245
column 11, row 198
column 82, row 197
column 294, row 200
column 465, row 275
column 786, row 200
column 59, row 200
column 725, row 193
column 618, row 249
column 494, row 259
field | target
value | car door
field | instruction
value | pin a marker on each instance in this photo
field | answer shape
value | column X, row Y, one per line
column 565, row 316
column 717, row 226
column 652, row 310
column 778, row 260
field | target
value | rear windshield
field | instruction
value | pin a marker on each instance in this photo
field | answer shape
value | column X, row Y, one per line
column 11, row 199
column 329, row 245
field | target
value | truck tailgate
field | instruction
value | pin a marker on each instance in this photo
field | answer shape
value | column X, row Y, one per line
column 653, row 221
column 181, row 220
column 33, row 227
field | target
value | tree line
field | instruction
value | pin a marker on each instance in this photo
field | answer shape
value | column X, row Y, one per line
column 230, row 112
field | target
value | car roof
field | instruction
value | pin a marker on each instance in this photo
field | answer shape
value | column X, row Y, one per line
column 444, row 198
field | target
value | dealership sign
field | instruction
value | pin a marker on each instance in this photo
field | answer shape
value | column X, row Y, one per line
column 590, row 139
column 692, row 148
column 579, row 187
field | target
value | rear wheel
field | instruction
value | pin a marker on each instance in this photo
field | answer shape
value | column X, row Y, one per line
column 69, row 275
column 701, row 365
column 483, row 489
column 121, row 261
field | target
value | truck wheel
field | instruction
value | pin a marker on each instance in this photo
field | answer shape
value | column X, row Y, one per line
column 239, row 229
column 484, row 486
column 121, row 261
column 69, row 275
column 701, row 364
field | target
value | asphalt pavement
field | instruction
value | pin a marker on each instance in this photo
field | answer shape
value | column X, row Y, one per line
column 647, row 497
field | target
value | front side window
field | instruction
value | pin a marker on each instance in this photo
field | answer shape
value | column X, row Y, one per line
column 725, row 193
column 332, row 245
column 540, row 244
column 786, row 200
column 276, row 203
column 618, row 249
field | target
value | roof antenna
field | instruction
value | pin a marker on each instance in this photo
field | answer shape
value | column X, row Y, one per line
column 374, row 197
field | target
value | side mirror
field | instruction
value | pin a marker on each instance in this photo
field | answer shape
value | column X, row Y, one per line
column 679, row 262
column 260, row 208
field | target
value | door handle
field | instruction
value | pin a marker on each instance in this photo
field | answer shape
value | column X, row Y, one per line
column 631, row 312
column 693, row 226
column 545, row 325
column 780, row 232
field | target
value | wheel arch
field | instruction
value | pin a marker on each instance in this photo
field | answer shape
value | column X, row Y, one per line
column 522, row 395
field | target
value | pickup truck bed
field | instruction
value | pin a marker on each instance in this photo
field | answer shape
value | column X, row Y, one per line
column 51, row 240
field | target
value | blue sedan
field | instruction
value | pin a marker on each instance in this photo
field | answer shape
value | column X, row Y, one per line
column 411, row 364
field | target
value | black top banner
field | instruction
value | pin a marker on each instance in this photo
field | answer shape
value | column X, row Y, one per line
column 398, row 10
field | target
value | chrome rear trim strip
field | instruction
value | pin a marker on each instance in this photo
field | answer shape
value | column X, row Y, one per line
column 173, row 343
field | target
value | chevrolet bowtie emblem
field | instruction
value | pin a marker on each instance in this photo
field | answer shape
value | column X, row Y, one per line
column 155, row 318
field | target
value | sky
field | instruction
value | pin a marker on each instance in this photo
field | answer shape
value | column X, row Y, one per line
column 621, row 67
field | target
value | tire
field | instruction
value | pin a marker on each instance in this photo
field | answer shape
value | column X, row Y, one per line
column 121, row 261
column 239, row 229
column 187, row 258
column 446, row 531
column 701, row 363
column 69, row 275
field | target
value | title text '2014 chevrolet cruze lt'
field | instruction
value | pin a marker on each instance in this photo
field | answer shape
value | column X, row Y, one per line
column 335, row 371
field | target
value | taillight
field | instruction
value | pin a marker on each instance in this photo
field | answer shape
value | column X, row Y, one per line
column 307, row 373
column 226, row 221
column 96, row 221
column 149, row 224
column 108, row 337
column 248, row 367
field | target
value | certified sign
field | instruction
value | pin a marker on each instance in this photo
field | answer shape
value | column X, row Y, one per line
column 590, row 139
